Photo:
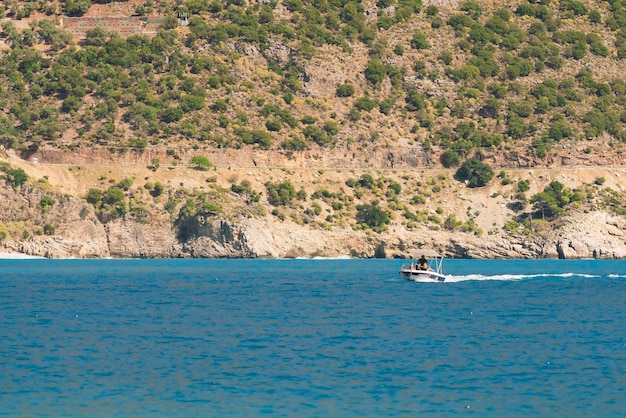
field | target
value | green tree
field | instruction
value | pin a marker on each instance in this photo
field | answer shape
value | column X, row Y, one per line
column 201, row 162
column 77, row 7
column 552, row 201
column 16, row 177
column 96, row 36
column 372, row 216
column 476, row 173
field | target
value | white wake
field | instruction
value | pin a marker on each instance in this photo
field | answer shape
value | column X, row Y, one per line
column 513, row 277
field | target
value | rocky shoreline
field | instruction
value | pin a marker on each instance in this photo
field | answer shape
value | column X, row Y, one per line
column 591, row 235
column 591, row 231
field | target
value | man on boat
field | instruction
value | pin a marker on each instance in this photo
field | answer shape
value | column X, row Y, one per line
column 422, row 263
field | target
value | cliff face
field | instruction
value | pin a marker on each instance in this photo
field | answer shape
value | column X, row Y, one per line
column 80, row 234
column 590, row 235
column 77, row 233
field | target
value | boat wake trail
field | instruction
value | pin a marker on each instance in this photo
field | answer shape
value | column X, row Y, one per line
column 617, row 276
column 514, row 277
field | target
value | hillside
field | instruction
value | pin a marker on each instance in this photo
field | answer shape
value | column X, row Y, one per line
column 530, row 83
column 313, row 128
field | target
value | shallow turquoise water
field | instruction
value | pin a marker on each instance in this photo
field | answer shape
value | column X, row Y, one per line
column 513, row 338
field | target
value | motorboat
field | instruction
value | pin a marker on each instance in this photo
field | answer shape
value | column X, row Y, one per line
column 424, row 266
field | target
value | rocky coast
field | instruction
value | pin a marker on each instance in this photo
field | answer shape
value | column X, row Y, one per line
column 581, row 232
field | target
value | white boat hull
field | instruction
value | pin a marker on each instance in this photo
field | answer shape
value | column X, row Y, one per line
column 422, row 275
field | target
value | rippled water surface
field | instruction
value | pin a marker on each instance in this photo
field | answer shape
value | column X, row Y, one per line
column 311, row 338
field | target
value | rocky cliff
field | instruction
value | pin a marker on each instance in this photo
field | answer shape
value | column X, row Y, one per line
column 80, row 234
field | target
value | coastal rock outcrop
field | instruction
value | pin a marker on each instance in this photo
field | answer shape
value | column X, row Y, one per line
column 64, row 226
column 590, row 235
column 128, row 238
column 258, row 239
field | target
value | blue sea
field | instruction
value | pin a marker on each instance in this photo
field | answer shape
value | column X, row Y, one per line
column 311, row 338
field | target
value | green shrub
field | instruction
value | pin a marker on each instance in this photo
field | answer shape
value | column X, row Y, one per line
column 158, row 189
column 395, row 187
column 262, row 138
column 331, row 127
column 523, row 185
column 171, row 114
column 245, row 189
column 578, row 8
column 280, row 194
column 125, row 184
column 415, row 200
column 49, row 229
column 419, row 41
column 375, row 72
column 308, row 120
column 94, row 196
column 345, row 90
column 294, row 143
column 450, row 158
column 46, row 203
column 317, row 135
column 365, row 103
column 273, row 125
column 372, row 216
column 366, row 180
column 472, row 9
column 451, row 223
